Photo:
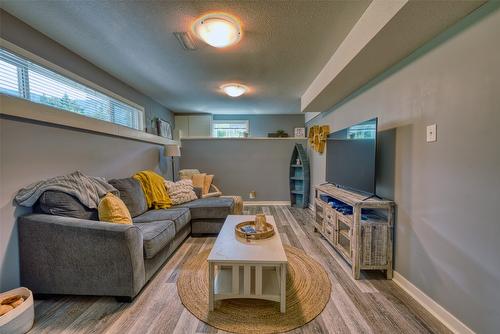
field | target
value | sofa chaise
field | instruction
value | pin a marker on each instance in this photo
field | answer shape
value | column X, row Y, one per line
column 64, row 249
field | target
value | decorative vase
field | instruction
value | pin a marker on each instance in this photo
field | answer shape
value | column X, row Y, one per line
column 260, row 222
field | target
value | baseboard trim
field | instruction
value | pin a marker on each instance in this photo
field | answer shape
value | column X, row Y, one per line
column 250, row 203
column 448, row 319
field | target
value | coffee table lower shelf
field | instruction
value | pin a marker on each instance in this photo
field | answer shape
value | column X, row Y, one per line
column 257, row 281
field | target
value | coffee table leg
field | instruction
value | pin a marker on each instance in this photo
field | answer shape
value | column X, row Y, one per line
column 211, row 286
column 283, row 289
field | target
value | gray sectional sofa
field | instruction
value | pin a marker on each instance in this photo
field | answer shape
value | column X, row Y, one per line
column 64, row 249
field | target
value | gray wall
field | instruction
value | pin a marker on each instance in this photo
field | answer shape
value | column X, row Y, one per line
column 24, row 36
column 243, row 165
column 448, row 192
column 30, row 152
column 261, row 125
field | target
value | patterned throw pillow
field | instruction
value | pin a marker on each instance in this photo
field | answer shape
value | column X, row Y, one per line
column 180, row 191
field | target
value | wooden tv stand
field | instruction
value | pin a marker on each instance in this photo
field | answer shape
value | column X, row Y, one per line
column 364, row 239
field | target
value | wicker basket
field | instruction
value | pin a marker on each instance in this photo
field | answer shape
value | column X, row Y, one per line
column 19, row 320
column 269, row 232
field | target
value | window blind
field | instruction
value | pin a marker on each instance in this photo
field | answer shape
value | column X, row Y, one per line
column 23, row 78
column 228, row 129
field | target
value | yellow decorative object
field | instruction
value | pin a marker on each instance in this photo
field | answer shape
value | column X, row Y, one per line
column 317, row 137
column 112, row 210
column 323, row 136
column 154, row 189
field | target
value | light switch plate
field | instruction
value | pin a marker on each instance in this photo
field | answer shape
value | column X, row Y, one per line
column 431, row 133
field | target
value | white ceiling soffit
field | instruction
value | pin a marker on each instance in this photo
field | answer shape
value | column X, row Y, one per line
column 387, row 32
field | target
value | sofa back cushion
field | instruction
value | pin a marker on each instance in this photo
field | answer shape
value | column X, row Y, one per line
column 61, row 204
column 132, row 195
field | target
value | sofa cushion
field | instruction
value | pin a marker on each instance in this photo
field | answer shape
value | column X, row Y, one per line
column 180, row 216
column 209, row 208
column 156, row 235
column 131, row 194
column 58, row 203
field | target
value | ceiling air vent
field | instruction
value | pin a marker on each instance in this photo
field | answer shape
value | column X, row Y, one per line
column 185, row 40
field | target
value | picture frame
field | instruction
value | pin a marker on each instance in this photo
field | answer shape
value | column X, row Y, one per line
column 163, row 128
column 299, row 132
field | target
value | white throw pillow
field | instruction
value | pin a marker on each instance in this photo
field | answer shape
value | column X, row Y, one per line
column 180, row 191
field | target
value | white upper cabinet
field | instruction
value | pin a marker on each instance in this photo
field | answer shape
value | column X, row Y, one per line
column 192, row 126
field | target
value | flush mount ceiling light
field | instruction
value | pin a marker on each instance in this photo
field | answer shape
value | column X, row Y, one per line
column 218, row 30
column 234, row 90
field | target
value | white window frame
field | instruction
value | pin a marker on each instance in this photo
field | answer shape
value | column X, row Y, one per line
column 70, row 75
column 232, row 121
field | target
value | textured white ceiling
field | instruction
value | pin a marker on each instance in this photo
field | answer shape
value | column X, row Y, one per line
column 284, row 46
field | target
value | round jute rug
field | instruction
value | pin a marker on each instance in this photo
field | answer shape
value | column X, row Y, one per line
column 308, row 292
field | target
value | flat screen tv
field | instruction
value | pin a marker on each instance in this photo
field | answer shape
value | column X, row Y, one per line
column 350, row 157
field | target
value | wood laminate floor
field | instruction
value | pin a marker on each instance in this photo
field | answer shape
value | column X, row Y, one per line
column 370, row 305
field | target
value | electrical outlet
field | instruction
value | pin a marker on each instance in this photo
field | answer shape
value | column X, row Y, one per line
column 431, row 133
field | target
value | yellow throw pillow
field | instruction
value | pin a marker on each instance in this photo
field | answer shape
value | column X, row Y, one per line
column 112, row 210
column 207, row 183
column 198, row 180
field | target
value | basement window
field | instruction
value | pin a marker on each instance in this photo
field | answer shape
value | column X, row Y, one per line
column 229, row 129
column 21, row 77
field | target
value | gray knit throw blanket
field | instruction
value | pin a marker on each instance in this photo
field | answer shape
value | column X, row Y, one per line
column 86, row 188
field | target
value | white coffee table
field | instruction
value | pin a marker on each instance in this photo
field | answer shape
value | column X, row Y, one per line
column 247, row 269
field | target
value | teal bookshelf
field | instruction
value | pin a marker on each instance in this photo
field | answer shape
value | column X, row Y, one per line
column 299, row 177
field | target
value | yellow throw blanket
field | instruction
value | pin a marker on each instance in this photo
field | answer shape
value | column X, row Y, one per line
column 154, row 188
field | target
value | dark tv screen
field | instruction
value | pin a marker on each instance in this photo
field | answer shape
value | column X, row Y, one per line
column 350, row 157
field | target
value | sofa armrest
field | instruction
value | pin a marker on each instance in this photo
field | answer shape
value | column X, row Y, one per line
column 62, row 255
